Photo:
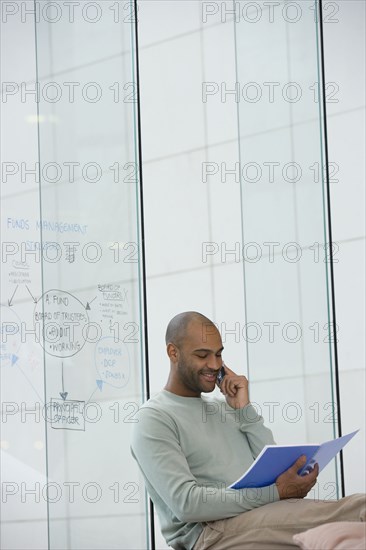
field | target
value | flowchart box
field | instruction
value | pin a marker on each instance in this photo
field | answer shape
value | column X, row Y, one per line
column 67, row 414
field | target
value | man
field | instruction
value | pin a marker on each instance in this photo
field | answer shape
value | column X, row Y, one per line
column 190, row 448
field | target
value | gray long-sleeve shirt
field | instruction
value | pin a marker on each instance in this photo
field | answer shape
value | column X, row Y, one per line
column 189, row 450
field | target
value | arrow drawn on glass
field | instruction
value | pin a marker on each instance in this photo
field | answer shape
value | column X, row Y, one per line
column 63, row 393
column 9, row 301
column 34, row 299
column 88, row 303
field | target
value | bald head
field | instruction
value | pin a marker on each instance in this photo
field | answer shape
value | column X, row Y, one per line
column 177, row 329
column 194, row 347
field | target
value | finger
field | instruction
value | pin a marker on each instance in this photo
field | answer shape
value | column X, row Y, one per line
column 300, row 462
column 223, row 384
column 314, row 482
column 314, row 473
column 227, row 370
column 311, row 471
column 234, row 386
column 230, row 384
column 310, row 487
column 309, row 482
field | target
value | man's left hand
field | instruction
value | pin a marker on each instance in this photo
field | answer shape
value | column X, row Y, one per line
column 235, row 389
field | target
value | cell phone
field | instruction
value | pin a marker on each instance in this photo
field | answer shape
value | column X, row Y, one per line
column 221, row 375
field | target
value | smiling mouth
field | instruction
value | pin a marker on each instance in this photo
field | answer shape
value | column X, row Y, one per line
column 209, row 376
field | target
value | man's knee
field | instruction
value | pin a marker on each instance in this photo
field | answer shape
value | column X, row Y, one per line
column 357, row 502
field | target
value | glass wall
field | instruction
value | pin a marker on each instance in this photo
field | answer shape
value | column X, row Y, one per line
column 235, row 227
column 91, row 295
column 79, row 264
column 286, row 255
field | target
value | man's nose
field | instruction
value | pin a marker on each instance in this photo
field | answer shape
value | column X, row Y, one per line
column 214, row 362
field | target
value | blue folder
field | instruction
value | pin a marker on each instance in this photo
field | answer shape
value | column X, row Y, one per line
column 276, row 459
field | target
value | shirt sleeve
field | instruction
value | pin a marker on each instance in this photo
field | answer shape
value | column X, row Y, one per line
column 155, row 446
column 252, row 424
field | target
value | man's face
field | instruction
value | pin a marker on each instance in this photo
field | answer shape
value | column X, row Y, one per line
column 199, row 359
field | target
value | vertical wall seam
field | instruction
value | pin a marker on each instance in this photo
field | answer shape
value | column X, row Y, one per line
column 142, row 244
column 329, row 227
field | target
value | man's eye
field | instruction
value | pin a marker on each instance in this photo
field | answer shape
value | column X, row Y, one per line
column 202, row 356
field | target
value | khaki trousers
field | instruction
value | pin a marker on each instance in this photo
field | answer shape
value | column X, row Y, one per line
column 272, row 526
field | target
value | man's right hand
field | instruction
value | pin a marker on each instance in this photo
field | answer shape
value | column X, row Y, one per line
column 291, row 485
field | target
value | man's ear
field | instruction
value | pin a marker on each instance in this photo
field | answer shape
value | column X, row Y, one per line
column 173, row 352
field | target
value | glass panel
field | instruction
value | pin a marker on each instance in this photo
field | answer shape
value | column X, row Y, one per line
column 285, row 256
column 90, row 304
